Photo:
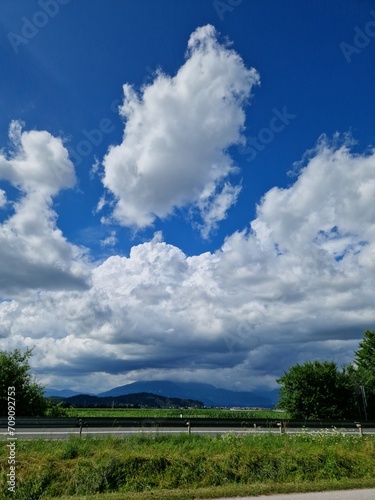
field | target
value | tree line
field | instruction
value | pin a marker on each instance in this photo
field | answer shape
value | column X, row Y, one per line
column 320, row 390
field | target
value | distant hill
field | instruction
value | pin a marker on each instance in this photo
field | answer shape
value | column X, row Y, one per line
column 273, row 396
column 207, row 393
column 63, row 393
column 142, row 399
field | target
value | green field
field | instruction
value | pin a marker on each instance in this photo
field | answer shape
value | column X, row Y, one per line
column 186, row 467
column 173, row 413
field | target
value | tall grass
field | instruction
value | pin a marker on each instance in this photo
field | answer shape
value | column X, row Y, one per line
column 144, row 463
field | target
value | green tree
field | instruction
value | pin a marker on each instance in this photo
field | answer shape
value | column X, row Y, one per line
column 365, row 362
column 28, row 394
column 316, row 390
column 56, row 409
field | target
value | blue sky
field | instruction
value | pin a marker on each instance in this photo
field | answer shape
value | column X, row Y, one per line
column 211, row 220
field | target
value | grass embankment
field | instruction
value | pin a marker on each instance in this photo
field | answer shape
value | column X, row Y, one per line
column 174, row 413
column 186, row 467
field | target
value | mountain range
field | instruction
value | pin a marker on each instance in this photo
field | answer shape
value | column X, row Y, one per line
column 138, row 400
column 207, row 393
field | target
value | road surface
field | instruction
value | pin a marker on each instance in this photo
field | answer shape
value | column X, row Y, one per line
column 65, row 432
column 366, row 494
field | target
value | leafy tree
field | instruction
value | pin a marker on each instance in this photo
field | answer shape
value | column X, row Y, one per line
column 56, row 409
column 316, row 390
column 365, row 356
column 28, row 394
column 365, row 362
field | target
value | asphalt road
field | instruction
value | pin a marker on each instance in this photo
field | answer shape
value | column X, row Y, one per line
column 65, row 432
column 366, row 494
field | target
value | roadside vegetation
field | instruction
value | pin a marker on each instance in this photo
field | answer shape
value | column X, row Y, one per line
column 172, row 413
column 182, row 465
column 321, row 390
column 15, row 374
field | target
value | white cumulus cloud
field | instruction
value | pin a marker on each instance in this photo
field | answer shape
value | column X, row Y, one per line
column 296, row 285
column 33, row 251
column 38, row 162
column 177, row 133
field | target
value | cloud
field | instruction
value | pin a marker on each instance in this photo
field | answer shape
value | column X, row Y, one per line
column 329, row 206
column 296, row 285
column 109, row 241
column 38, row 162
column 214, row 205
column 3, row 198
column 177, row 133
column 33, row 251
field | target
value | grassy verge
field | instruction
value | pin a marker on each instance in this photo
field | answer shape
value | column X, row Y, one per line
column 234, row 490
column 187, row 467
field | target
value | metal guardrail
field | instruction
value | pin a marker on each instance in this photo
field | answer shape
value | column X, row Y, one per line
column 40, row 422
column 182, row 422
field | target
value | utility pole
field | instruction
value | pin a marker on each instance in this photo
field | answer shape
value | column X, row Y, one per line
column 364, row 400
